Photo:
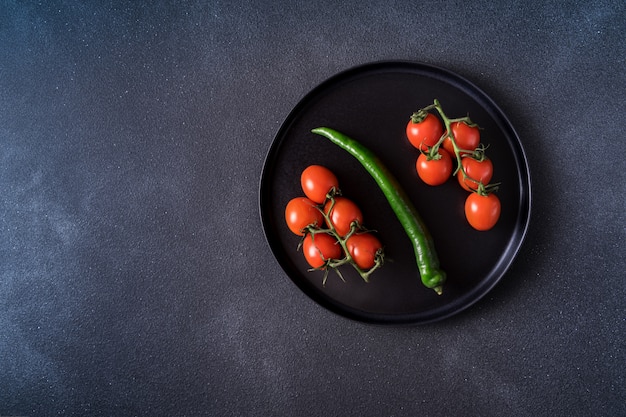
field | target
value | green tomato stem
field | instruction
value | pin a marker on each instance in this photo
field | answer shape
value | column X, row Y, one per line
column 458, row 152
column 342, row 240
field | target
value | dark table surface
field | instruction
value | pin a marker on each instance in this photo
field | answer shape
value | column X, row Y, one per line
column 135, row 278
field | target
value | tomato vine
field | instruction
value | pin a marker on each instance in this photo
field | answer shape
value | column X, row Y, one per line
column 461, row 139
column 341, row 237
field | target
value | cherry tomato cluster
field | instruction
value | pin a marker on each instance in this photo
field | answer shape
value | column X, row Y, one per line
column 331, row 226
column 452, row 147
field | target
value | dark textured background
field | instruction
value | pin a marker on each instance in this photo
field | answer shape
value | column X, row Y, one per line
column 135, row 279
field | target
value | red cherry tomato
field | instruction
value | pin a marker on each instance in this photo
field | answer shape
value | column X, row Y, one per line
column 434, row 171
column 342, row 214
column 301, row 212
column 425, row 133
column 317, row 181
column 363, row 248
column 477, row 172
column 482, row 212
column 467, row 137
column 319, row 248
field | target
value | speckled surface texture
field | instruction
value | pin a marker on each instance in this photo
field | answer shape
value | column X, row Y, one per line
column 135, row 279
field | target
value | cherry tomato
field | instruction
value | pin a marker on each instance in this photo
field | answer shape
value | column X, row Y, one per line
column 467, row 137
column 482, row 211
column 363, row 248
column 434, row 171
column 317, row 181
column 319, row 248
column 425, row 133
column 343, row 213
column 301, row 212
column 477, row 172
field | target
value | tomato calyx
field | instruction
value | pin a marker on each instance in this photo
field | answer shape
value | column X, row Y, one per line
column 479, row 153
column 486, row 189
column 419, row 116
column 432, row 153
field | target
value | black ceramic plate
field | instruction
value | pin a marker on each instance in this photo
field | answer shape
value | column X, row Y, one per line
column 372, row 104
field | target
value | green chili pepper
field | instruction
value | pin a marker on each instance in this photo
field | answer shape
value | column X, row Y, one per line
column 426, row 257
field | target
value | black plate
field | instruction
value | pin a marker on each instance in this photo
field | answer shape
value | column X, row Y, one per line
column 372, row 103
